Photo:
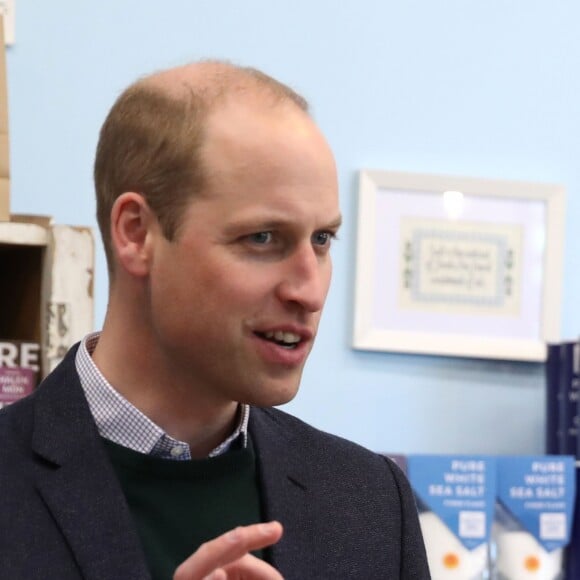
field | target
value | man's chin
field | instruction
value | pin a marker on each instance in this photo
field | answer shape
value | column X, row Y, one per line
column 273, row 397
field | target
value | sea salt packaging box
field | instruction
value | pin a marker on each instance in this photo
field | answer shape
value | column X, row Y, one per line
column 534, row 516
column 456, row 496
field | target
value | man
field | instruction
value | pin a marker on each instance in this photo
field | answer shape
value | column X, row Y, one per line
column 153, row 450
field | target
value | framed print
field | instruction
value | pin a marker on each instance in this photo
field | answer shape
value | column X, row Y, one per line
column 458, row 266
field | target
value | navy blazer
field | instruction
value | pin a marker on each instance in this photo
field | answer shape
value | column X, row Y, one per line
column 347, row 513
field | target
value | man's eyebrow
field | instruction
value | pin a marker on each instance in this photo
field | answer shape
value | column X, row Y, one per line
column 257, row 224
column 335, row 224
column 273, row 224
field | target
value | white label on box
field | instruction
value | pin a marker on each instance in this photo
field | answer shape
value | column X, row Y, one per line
column 553, row 526
column 472, row 524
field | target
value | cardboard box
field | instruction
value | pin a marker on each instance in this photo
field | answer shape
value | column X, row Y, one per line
column 48, row 295
column 4, row 143
column 4, row 199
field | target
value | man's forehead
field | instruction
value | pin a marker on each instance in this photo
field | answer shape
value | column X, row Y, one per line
column 241, row 117
column 262, row 147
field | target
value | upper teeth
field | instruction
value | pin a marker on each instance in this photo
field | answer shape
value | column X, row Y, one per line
column 281, row 336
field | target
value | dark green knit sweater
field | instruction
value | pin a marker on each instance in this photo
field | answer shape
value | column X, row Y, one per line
column 178, row 505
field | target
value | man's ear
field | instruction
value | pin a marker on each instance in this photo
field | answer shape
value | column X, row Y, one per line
column 132, row 225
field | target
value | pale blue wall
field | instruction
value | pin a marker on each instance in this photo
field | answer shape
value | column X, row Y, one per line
column 486, row 89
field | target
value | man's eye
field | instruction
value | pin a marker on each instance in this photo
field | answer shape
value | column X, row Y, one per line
column 322, row 238
column 261, row 237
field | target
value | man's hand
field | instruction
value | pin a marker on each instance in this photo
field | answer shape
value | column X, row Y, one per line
column 228, row 557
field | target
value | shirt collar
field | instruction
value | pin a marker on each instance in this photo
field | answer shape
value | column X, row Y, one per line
column 121, row 422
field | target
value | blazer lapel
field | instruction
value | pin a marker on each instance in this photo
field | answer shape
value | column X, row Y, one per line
column 78, row 484
column 287, row 494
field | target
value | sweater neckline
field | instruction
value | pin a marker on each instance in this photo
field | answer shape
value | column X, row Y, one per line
column 235, row 459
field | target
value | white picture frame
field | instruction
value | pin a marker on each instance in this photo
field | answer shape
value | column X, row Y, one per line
column 457, row 266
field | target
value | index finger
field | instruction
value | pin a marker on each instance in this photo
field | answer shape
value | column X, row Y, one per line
column 228, row 548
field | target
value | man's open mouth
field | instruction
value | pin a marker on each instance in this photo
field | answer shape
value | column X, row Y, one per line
column 288, row 340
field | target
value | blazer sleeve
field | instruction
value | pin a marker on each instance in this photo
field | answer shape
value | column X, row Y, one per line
column 414, row 564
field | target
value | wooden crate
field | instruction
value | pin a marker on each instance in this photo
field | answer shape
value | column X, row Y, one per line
column 46, row 294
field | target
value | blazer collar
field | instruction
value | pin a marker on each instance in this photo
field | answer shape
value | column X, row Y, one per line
column 288, row 491
column 77, row 481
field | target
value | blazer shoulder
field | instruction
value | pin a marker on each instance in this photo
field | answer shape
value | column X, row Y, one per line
column 347, row 487
column 18, row 418
column 324, row 448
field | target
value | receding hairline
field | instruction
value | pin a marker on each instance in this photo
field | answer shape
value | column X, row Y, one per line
column 211, row 81
column 152, row 137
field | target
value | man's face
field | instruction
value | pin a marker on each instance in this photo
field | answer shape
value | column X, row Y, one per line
column 236, row 298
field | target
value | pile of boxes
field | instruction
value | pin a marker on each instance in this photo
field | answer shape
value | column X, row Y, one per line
column 494, row 517
column 46, row 295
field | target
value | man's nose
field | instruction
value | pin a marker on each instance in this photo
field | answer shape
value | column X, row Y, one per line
column 306, row 277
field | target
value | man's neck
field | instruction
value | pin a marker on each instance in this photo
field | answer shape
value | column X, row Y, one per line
column 151, row 384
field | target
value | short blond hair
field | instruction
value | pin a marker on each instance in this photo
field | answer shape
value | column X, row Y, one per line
column 151, row 138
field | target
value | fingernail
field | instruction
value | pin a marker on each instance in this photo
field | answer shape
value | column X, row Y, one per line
column 266, row 529
column 234, row 535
